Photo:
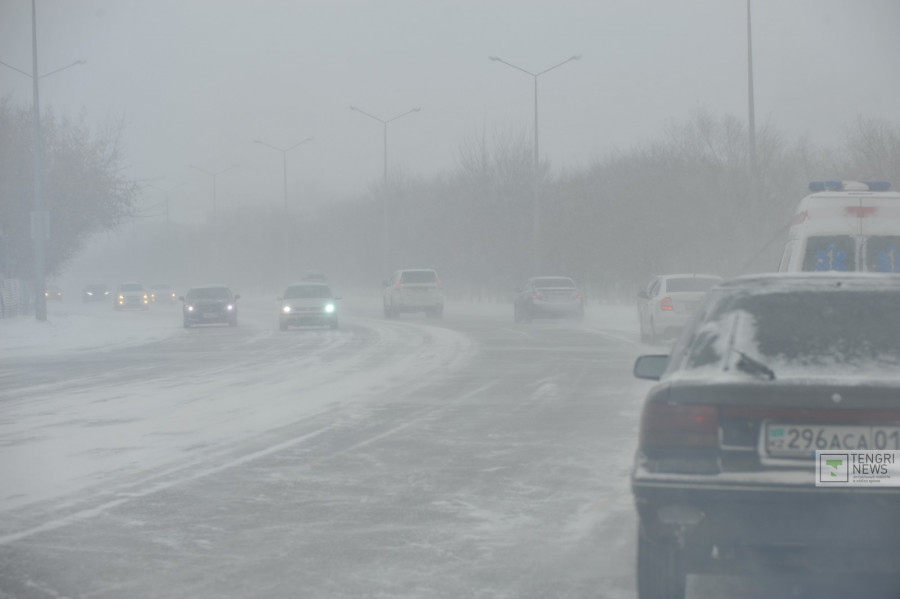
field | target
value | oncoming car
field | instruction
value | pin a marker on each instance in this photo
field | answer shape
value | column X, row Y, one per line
column 54, row 293
column 95, row 292
column 413, row 290
column 131, row 296
column 209, row 305
column 308, row 303
column 666, row 303
column 771, row 369
column 548, row 297
column 162, row 294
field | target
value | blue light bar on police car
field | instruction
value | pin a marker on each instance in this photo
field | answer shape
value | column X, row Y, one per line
column 817, row 186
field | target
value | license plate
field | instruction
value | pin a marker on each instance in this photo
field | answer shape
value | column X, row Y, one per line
column 799, row 441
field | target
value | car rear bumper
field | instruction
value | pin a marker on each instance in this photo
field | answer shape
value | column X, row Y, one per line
column 731, row 526
column 556, row 308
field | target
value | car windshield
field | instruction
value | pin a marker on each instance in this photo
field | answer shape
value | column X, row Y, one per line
column 419, row 276
column 683, row 284
column 804, row 333
column 549, row 282
column 209, row 293
column 307, row 291
column 131, row 287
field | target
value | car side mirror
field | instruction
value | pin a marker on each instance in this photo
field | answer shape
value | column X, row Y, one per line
column 650, row 367
column 181, row 297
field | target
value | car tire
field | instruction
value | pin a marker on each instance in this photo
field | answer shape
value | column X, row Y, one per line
column 187, row 323
column 527, row 316
column 387, row 311
column 654, row 337
column 661, row 571
column 579, row 316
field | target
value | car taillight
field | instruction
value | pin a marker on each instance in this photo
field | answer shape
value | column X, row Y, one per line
column 439, row 284
column 666, row 304
column 679, row 425
column 534, row 296
column 398, row 282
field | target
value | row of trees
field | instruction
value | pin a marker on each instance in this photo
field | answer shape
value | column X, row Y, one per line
column 685, row 202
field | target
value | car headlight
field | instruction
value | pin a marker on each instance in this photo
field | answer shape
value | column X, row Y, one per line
column 286, row 309
column 329, row 308
column 121, row 297
column 89, row 293
column 190, row 308
column 229, row 307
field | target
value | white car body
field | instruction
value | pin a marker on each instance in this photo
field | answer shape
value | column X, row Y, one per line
column 413, row 290
column 131, row 296
column 668, row 301
column 848, row 227
column 308, row 303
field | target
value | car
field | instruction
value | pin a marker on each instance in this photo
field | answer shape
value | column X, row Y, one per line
column 95, row 292
column 53, row 293
column 162, row 294
column 548, row 297
column 845, row 226
column 413, row 290
column 308, row 303
column 770, row 369
column 666, row 303
column 315, row 275
column 131, row 296
column 208, row 305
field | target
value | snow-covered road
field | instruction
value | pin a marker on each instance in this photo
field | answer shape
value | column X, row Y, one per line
column 465, row 457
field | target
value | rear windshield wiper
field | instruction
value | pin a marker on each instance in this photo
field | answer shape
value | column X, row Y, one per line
column 753, row 366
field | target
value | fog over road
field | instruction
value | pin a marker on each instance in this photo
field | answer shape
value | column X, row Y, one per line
column 462, row 457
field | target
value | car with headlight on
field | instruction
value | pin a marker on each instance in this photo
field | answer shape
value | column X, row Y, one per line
column 95, row 292
column 163, row 294
column 666, row 303
column 212, row 304
column 131, row 296
column 53, row 293
column 413, row 290
column 548, row 297
column 308, row 303
column 773, row 374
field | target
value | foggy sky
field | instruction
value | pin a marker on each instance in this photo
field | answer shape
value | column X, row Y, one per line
column 197, row 80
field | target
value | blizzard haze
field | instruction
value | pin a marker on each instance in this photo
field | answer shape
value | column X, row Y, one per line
column 197, row 81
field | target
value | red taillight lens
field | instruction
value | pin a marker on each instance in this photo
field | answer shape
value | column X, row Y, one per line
column 398, row 282
column 534, row 296
column 666, row 304
column 439, row 284
column 679, row 425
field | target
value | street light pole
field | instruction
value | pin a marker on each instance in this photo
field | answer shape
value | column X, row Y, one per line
column 214, row 176
column 535, row 233
column 40, row 221
column 288, row 250
column 384, row 225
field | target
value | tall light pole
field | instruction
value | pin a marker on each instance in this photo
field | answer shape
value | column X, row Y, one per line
column 214, row 175
column 40, row 219
column 287, row 237
column 751, row 116
column 168, row 192
column 384, row 206
column 535, row 204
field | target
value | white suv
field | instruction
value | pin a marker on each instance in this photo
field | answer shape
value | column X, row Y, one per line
column 413, row 290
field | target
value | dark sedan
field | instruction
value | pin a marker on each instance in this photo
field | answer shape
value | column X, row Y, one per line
column 732, row 475
column 209, row 305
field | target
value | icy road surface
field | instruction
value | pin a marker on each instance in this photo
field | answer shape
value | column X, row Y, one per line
column 462, row 457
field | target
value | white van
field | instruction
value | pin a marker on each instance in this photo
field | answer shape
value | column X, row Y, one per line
column 845, row 226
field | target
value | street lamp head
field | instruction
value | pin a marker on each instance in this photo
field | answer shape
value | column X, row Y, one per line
column 576, row 57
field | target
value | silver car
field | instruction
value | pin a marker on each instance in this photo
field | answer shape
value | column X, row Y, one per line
column 413, row 290
column 308, row 303
column 666, row 303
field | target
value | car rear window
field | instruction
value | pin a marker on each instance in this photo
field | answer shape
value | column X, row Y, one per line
column 690, row 284
column 132, row 287
column 418, row 276
column 834, row 252
column 804, row 332
column 307, row 291
column 883, row 253
column 548, row 282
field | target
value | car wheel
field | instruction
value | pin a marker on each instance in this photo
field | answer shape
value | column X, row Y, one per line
column 579, row 316
column 660, row 570
column 527, row 316
column 187, row 323
column 516, row 316
column 387, row 311
column 654, row 337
